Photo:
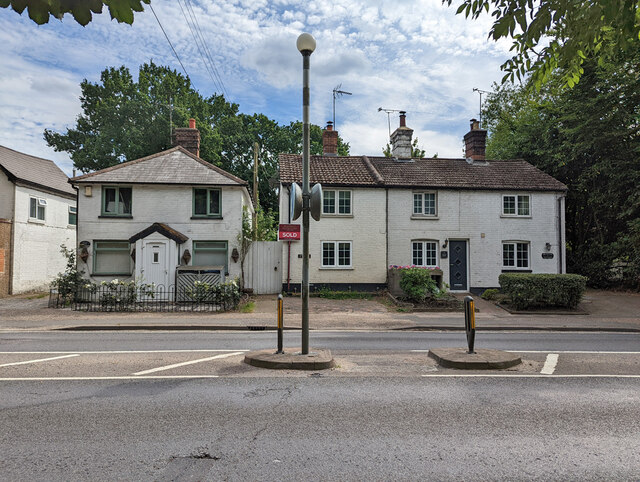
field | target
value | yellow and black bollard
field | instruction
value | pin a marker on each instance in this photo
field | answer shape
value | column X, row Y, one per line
column 470, row 321
column 280, row 324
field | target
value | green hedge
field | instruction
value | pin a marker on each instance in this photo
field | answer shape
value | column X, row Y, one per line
column 536, row 290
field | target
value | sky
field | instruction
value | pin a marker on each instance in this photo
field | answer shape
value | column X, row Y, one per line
column 412, row 55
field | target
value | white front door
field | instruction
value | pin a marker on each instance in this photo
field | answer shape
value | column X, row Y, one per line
column 155, row 267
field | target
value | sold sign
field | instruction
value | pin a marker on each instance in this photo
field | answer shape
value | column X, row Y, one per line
column 289, row 232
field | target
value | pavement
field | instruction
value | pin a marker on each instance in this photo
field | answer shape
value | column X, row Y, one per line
column 599, row 311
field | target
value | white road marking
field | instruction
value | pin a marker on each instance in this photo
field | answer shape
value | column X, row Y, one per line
column 191, row 377
column 533, row 375
column 550, row 364
column 176, row 365
column 126, row 377
column 37, row 361
column 585, row 352
column 113, row 351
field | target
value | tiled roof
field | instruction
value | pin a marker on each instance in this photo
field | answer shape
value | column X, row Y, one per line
column 34, row 171
column 424, row 173
column 173, row 166
column 351, row 171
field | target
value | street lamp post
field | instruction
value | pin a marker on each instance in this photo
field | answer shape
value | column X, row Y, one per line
column 306, row 45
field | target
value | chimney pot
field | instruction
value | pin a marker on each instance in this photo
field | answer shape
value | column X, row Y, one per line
column 329, row 141
column 188, row 137
column 401, row 139
column 475, row 142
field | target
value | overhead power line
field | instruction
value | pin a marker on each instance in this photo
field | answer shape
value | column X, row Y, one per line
column 170, row 44
column 206, row 48
column 201, row 45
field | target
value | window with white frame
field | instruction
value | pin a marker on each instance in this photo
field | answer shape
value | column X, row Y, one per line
column 37, row 208
column 424, row 204
column 73, row 215
column 336, row 254
column 424, row 253
column 336, row 202
column 516, row 205
column 515, row 255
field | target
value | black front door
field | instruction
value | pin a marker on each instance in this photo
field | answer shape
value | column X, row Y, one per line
column 458, row 265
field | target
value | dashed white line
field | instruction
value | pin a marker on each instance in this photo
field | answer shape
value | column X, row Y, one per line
column 177, row 365
column 550, row 364
column 37, row 361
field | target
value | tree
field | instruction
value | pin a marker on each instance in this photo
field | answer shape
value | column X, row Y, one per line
column 40, row 10
column 558, row 34
column 589, row 138
column 415, row 150
column 124, row 120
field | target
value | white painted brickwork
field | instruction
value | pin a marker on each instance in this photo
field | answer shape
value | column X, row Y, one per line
column 467, row 215
column 171, row 205
column 37, row 258
column 474, row 216
column 365, row 228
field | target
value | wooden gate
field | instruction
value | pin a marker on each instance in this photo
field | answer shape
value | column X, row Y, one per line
column 263, row 267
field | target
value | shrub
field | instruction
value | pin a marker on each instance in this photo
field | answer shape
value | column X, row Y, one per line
column 490, row 294
column 530, row 290
column 68, row 282
column 417, row 283
column 224, row 294
column 120, row 295
column 327, row 293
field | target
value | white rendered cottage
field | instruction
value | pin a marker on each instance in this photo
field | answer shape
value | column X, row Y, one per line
column 471, row 218
column 37, row 216
column 143, row 219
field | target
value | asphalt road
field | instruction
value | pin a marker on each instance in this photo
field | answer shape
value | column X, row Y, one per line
column 387, row 412
column 337, row 340
column 318, row 428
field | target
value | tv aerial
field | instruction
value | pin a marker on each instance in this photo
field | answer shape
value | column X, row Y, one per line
column 475, row 89
column 337, row 92
column 388, row 111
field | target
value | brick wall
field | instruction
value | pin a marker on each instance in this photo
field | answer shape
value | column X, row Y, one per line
column 5, row 256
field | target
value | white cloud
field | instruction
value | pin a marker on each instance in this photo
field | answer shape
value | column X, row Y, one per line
column 414, row 55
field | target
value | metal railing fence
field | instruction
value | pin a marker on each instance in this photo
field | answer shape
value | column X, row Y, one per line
column 148, row 299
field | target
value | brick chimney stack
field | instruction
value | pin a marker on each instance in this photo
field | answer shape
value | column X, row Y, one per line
column 475, row 142
column 329, row 141
column 188, row 137
column 401, row 139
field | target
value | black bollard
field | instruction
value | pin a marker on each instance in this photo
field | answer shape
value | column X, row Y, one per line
column 470, row 321
column 280, row 324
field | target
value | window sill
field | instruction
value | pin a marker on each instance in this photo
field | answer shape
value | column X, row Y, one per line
column 425, row 217
column 515, row 270
column 114, row 216
column 343, row 268
column 36, row 221
column 71, row 226
column 337, row 215
column 514, row 216
column 206, row 217
column 112, row 274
